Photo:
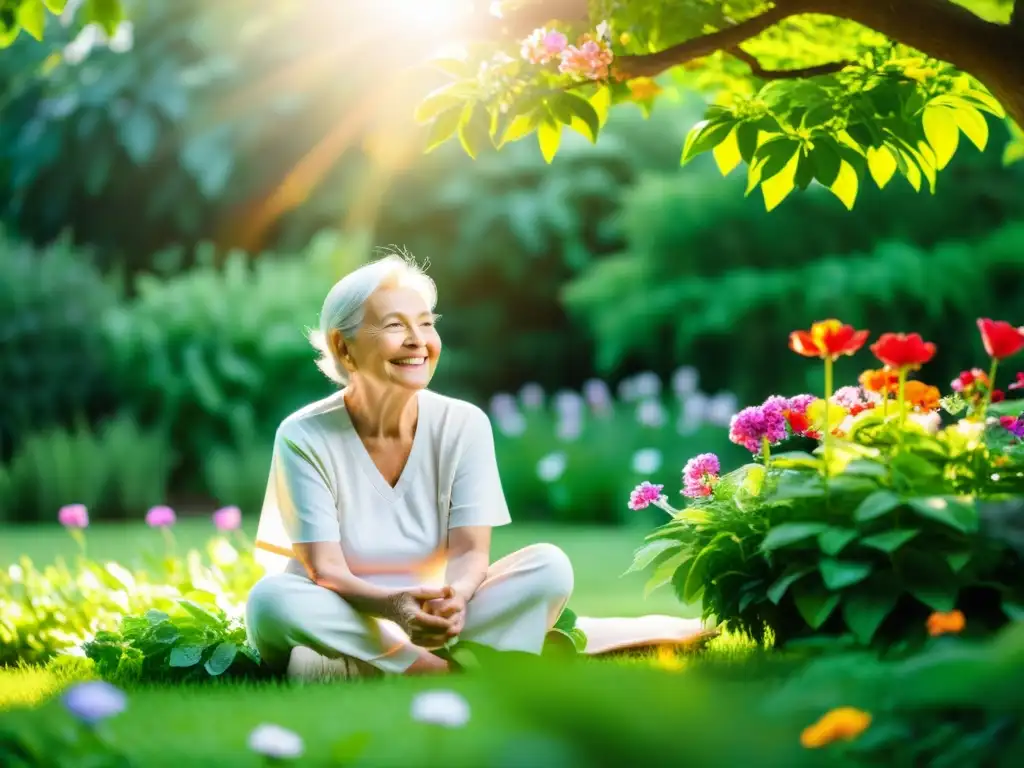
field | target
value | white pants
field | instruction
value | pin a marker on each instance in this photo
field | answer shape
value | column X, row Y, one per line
column 519, row 601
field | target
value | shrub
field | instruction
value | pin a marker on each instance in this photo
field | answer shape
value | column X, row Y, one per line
column 117, row 471
column 217, row 355
column 239, row 475
column 887, row 521
column 54, row 364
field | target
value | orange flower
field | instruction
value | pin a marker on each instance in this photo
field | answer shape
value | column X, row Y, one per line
column 881, row 380
column 903, row 350
column 845, row 723
column 921, row 395
column 942, row 623
column 827, row 339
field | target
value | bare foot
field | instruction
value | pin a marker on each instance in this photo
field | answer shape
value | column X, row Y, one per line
column 428, row 664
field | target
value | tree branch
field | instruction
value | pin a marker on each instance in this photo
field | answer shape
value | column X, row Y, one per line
column 785, row 74
column 1017, row 18
column 653, row 64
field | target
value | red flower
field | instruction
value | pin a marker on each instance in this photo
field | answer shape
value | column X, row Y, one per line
column 997, row 396
column 827, row 339
column 882, row 381
column 1001, row 339
column 903, row 350
column 1019, row 383
column 860, row 408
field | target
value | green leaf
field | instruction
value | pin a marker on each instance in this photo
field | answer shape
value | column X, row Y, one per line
column 804, row 171
column 747, row 134
column 834, row 539
column 958, row 560
column 826, row 162
column 929, row 579
column 815, row 606
column 56, row 7
column 586, row 120
column 877, row 504
column 790, row 533
column 549, row 136
column 957, row 514
column 881, row 164
column 32, row 17
column 646, row 555
column 186, row 655
column 727, row 153
column 839, row 574
column 139, row 133
column 974, row 126
column 940, row 128
column 1014, row 611
column 793, row 574
column 890, row 541
column 845, row 185
column 521, row 126
column 441, row 100
column 697, row 573
column 865, row 610
column 443, row 128
column 566, row 620
column 222, row 658
column 704, row 136
column 203, row 616
column 107, row 13
column 474, row 128
column 601, row 101
column 777, row 188
column 664, row 571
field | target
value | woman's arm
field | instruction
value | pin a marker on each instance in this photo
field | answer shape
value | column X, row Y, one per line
column 469, row 556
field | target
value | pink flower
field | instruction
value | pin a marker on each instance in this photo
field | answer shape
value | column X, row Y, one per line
column 700, row 475
column 543, row 45
column 227, row 518
column 1019, row 383
column 160, row 517
column 800, row 403
column 591, row 60
column 73, row 516
column 849, row 397
column 644, row 495
column 752, row 426
column 1013, row 424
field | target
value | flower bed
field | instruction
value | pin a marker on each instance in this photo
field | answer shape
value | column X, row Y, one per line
column 891, row 517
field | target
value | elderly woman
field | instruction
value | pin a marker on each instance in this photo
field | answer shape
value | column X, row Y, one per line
column 376, row 525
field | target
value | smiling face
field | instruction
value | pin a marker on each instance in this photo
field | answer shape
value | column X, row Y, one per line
column 397, row 343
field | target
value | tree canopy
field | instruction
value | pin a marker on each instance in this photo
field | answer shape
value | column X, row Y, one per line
column 837, row 92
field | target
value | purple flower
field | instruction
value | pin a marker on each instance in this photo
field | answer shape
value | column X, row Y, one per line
column 94, row 701
column 756, row 423
column 644, row 495
column 1014, row 424
column 73, row 516
column 700, row 475
column 800, row 403
column 160, row 517
column 227, row 518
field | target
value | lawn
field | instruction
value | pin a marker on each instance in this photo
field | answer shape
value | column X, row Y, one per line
column 209, row 724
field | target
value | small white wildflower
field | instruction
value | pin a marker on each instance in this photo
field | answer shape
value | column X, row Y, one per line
column 650, row 414
column 647, row 461
column 570, row 427
column 531, row 395
column 445, row 708
column 551, row 467
column 512, row 424
column 597, row 393
column 646, row 384
column 568, row 403
column 94, row 701
column 275, row 742
column 685, row 380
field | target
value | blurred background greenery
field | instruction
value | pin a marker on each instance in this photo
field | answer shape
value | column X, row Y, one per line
column 175, row 207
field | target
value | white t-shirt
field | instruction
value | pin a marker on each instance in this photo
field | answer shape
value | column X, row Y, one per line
column 324, row 486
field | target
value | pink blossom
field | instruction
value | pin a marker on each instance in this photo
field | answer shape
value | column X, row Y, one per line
column 543, row 45
column 591, row 60
column 849, row 397
column 700, row 475
column 73, row 516
column 160, row 517
column 1019, row 383
column 227, row 518
column 800, row 403
column 751, row 426
column 644, row 495
column 1014, row 425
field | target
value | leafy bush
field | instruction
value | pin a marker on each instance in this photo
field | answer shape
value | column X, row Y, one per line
column 54, row 364
column 217, row 354
column 53, row 609
column 194, row 641
column 885, row 523
column 117, row 471
column 238, row 475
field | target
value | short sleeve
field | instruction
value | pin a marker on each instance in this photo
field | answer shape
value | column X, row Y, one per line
column 477, row 496
column 303, row 488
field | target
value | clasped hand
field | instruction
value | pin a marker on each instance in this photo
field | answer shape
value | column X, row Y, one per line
column 432, row 616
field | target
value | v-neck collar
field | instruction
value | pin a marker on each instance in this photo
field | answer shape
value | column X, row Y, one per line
column 357, row 450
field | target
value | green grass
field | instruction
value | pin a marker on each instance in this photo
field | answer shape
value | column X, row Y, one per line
column 599, row 556
column 210, row 723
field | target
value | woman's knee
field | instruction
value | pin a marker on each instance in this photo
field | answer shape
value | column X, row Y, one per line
column 555, row 578
column 268, row 604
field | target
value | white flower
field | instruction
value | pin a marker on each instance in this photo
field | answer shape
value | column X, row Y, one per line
column 650, row 414
column 646, row 384
column 551, row 467
column 123, row 39
column 604, row 31
column 685, row 380
column 930, row 422
column 647, row 461
column 596, row 393
column 276, row 742
column 568, row 403
column 512, row 424
column 570, row 426
column 503, row 404
column 445, row 708
column 531, row 395
column 721, row 408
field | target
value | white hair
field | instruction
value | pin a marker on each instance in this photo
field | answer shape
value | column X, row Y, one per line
column 344, row 307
